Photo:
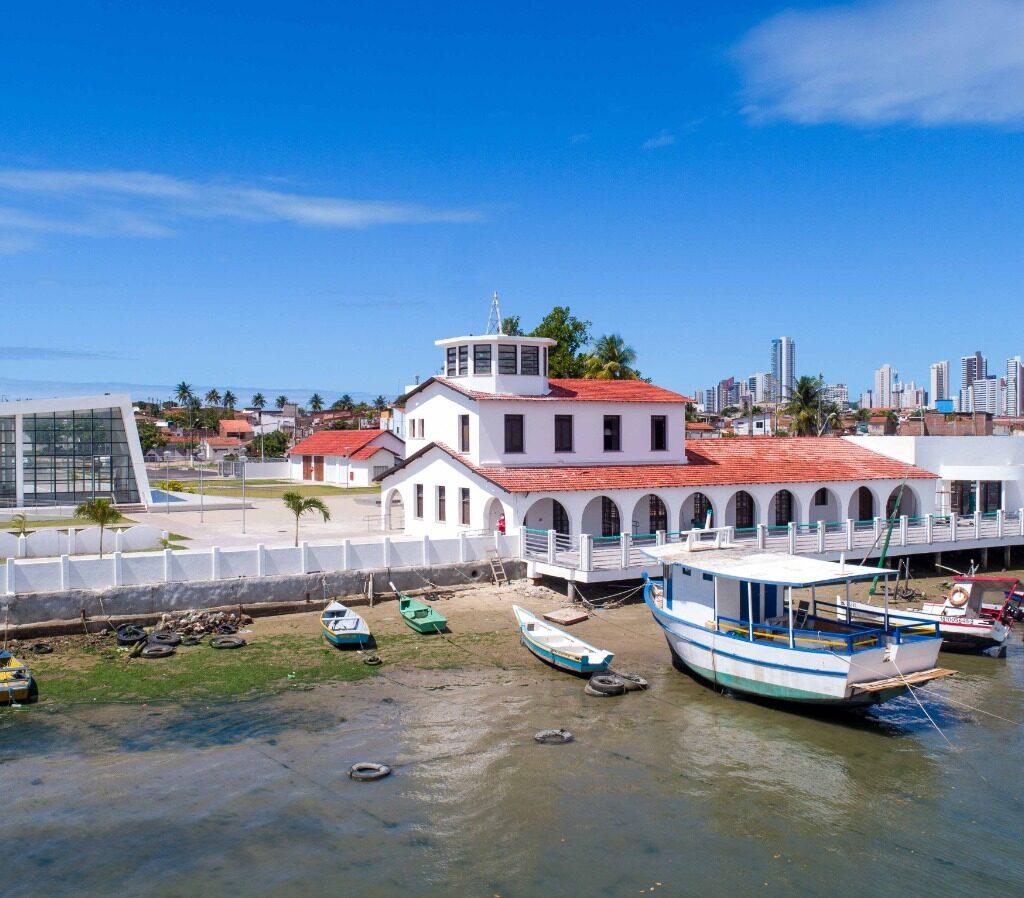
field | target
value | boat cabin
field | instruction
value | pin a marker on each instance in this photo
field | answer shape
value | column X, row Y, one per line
column 978, row 597
column 748, row 594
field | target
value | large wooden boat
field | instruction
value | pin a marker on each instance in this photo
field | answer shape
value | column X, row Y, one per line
column 16, row 683
column 730, row 616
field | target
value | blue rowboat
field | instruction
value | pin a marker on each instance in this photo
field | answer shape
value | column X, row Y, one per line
column 341, row 626
column 559, row 648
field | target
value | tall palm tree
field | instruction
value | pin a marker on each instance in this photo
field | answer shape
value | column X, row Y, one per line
column 316, row 403
column 99, row 511
column 183, row 392
column 380, row 403
column 346, row 403
column 230, row 400
column 281, row 401
column 258, row 402
column 213, row 397
column 300, row 505
column 610, row 359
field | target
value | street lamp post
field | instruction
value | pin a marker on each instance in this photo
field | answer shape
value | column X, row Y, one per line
column 243, row 494
column 201, row 519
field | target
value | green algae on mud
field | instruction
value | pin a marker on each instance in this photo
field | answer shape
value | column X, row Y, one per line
column 86, row 673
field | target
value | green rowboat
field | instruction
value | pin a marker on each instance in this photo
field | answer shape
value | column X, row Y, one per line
column 422, row 618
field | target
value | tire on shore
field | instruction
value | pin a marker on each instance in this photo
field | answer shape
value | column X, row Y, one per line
column 367, row 771
column 164, row 637
column 227, row 642
column 605, row 685
column 553, row 737
column 157, row 650
column 129, row 634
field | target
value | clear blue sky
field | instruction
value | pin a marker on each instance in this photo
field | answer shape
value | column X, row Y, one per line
column 306, row 195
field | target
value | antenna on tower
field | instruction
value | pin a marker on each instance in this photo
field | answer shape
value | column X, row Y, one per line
column 494, row 318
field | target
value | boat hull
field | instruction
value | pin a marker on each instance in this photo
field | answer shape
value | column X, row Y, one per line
column 580, row 665
column 823, row 679
column 344, row 639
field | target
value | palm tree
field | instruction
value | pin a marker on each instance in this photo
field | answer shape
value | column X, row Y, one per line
column 805, row 406
column 213, row 397
column 183, row 392
column 281, row 401
column 345, row 403
column 380, row 403
column 300, row 505
column 258, row 402
column 316, row 403
column 19, row 524
column 610, row 359
column 230, row 400
column 99, row 511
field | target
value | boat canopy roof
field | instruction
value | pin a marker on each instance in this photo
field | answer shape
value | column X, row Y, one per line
column 757, row 566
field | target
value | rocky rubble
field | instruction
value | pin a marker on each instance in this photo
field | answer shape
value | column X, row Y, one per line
column 200, row 623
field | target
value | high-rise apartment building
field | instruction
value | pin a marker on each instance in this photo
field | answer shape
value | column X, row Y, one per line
column 760, row 387
column 939, row 385
column 867, row 399
column 882, row 392
column 972, row 368
column 1014, row 386
column 837, row 393
column 783, row 368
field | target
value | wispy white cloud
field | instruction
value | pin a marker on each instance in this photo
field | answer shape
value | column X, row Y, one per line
column 664, row 139
column 879, row 62
column 48, row 354
column 147, row 204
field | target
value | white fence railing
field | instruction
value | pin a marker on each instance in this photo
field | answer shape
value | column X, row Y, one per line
column 136, row 569
column 596, row 553
column 54, row 541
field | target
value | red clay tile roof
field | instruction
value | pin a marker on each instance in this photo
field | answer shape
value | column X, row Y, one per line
column 336, row 442
column 222, row 442
column 743, row 460
column 575, row 390
column 698, row 425
column 367, row 452
column 234, row 425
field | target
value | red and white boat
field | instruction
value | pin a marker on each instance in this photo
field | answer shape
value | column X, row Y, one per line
column 976, row 615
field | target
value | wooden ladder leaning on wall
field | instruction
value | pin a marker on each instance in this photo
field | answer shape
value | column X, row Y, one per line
column 497, row 567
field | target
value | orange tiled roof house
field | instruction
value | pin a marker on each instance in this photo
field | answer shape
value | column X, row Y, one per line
column 493, row 436
column 345, row 457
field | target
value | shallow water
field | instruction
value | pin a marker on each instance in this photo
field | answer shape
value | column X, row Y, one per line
column 704, row 794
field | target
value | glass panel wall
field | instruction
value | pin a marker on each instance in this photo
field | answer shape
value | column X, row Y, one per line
column 74, row 456
column 8, row 469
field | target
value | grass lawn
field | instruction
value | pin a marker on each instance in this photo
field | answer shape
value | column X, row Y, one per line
column 99, row 671
column 275, row 489
column 59, row 522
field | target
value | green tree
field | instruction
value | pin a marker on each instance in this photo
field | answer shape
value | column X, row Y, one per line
column 19, row 524
column 230, row 400
column 259, row 402
column 213, row 397
column 300, row 505
column 183, row 393
column 610, row 359
column 730, row 411
column 275, row 444
column 101, row 512
column 510, row 326
column 862, row 415
column 572, row 334
column 281, row 401
column 316, row 403
column 380, row 403
column 345, row 404
column 149, row 436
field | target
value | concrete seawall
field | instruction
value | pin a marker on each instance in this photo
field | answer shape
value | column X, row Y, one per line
column 23, row 612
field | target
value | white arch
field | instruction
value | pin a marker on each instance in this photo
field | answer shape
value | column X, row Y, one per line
column 592, row 520
column 909, row 504
column 858, row 507
column 731, row 511
column 542, row 515
column 644, row 521
column 830, row 510
column 394, row 511
column 691, row 517
column 776, row 517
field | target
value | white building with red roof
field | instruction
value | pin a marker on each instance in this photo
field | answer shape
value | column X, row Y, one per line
column 494, row 436
column 345, row 457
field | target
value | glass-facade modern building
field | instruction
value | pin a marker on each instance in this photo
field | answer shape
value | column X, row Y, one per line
column 65, row 451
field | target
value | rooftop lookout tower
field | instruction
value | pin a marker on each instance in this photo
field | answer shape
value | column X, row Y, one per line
column 497, row 363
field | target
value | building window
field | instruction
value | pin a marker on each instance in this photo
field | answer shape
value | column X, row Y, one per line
column 821, row 497
column 464, row 506
column 481, row 358
column 450, row 368
column 545, row 372
column 563, row 433
column 463, row 361
column 529, row 361
column 507, row 359
column 514, row 437
column 463, row 433
column 701, row 508
column 418, row 503
column 440, row 505
column 559, row 518
column 610, row 525
column 612, row 433
column 659, row 433
column 657, row 513
column 783, row 508
column 744, row 510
